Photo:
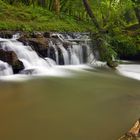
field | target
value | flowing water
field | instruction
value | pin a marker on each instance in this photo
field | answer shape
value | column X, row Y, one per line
column 80, row 102
column 90, row 105
column 73, row 54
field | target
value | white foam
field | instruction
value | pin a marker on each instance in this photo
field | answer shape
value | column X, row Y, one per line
column 130, row 70
column 5, row 69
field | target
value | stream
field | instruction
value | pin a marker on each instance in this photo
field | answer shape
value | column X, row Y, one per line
column 81, row 103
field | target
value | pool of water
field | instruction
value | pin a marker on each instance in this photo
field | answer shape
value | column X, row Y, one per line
column 91, row 104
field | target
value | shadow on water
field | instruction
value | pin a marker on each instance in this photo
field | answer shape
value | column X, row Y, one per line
column 94, row 105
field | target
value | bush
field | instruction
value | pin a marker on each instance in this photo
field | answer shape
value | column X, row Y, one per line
column 124, row 45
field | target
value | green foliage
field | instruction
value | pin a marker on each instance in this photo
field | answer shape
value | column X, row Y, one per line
column 107, row 53
column 29, row 18
column 124, row 43
column 117, row 44
column 112, row 15
column 107, row 12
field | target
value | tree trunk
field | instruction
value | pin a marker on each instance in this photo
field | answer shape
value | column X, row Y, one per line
column 91, row 14
column 57, row 6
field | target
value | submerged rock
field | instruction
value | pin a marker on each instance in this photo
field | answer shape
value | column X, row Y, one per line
column 28, row 71
column 11, row 58
column 133, row 133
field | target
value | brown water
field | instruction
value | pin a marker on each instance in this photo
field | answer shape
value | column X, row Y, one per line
column 94, row 105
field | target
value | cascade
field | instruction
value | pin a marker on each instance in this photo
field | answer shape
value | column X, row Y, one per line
column 5, row 69
column 65, row 54
column 55, row 55
column 78, row 51
column 29, row 57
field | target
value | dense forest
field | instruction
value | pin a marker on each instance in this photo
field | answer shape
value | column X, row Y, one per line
column 114, row 24
column 126, row 11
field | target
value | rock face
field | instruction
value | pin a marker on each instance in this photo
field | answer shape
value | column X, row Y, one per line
column 38, row 43
column 133, row 133
column 11, row 58
column 6, row 34
column 63, row 48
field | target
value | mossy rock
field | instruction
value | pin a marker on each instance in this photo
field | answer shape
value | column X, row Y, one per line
column 112, row 64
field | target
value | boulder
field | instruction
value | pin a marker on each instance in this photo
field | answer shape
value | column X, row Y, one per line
column 38, row 43
column 11, row 58
column 8, row 56
column 17, row 66
column 133, row 133
column 112, row 64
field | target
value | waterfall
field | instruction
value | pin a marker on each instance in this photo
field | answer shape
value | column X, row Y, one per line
column 51, row 45
column 29, row 57
column 65, row 54
column 73, row 54
column 58, row 53
column 5, row 69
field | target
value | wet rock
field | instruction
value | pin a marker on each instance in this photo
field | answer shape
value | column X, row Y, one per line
column 8, row 56
column 133, row 133
column 17, row 66
column 37, row 42
column 61, row 58
column 112, row 64
column 67, row 44
column 47, row 34
column 36, row 35
column 51, row 53
column 11, row 58
column 84, row 54
column 6, row 34
column 28, row 71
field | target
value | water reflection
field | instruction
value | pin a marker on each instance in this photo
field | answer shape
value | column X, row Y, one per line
column 94, row 105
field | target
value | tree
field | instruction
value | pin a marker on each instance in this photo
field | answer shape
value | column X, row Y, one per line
column 56, row 6
column 91, row 14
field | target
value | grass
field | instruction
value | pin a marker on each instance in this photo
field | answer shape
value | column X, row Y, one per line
column 36, row 18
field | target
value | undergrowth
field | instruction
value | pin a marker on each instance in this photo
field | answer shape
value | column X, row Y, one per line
column 29, row 18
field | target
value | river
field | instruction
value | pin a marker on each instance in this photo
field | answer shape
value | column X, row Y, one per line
column 81, row 104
